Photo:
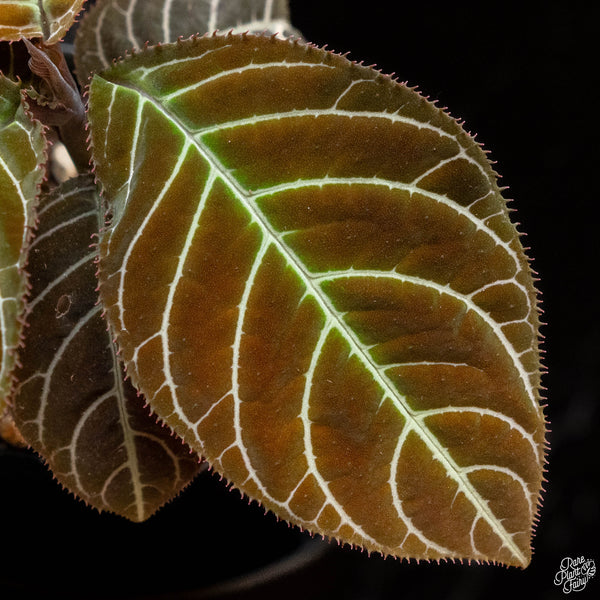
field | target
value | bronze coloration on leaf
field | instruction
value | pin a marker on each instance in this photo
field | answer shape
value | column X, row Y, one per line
column 22, row 154
column 314, row 280
column 71, row 402
column 47, row 19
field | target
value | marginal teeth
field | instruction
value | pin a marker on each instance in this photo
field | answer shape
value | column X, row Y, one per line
column 23, row 147
column 321, row 291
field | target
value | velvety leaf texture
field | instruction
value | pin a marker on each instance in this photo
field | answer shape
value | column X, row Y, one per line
column 47, row 19
column 22, row 154
column 112, row 28
column 314, row 280
column 72, row 403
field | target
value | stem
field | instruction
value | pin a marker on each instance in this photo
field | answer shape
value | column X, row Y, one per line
column 73, row 135
column 68, row 111
column 44, row 20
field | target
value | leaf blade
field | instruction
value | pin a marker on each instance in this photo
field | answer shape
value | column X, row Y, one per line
column 22, row 156
column 49, row 19
column 327, row 345
column 71, row 401
column 108, row 31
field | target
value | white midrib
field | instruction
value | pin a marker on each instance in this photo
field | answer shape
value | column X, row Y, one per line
column 6, row 362
column 3, row 327
column 389, row 391
column 128, row 435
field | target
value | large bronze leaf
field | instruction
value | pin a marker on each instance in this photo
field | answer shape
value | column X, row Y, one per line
column 47, row 19
column 22, row 154
column 72, row 403
column 112, row 28
column 314, row 280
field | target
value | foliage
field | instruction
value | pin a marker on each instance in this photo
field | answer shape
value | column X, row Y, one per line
column 307, row 271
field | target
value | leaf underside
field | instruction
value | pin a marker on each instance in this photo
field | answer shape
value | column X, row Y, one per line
column 72, row 404
column 22, row 154
column 48, row 19
column 314, row 280
column 112, row 28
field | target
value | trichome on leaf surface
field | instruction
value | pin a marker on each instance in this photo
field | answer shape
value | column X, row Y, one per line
column 303, row 268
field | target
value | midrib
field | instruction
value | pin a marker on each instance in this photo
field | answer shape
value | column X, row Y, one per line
column 389, row 391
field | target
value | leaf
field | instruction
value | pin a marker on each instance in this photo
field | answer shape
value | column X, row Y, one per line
column 47, row 19
column 72, row 403
column 313, row 278
column 112, row 28
column 22, row 154
column 59, row 103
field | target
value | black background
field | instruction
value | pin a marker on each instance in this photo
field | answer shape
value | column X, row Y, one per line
column 523, row 78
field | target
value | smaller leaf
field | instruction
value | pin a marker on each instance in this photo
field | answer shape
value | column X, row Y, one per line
column 71, row 402
column 108, row 31
column 56, row 101
column 22, row 154
column 47, row 19
column 59, row 90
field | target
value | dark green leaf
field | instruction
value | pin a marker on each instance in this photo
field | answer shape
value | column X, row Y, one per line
column 112, row 28
column 22, row 154
column 72, row 403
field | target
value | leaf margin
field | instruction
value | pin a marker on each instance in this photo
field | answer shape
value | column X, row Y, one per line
column 527, row 261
